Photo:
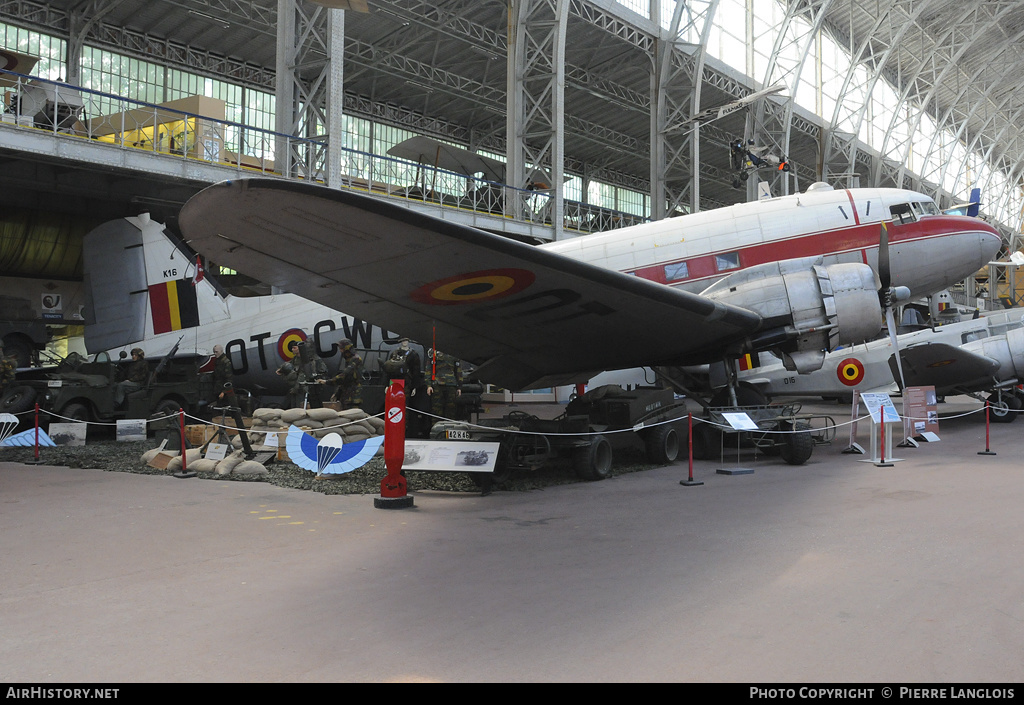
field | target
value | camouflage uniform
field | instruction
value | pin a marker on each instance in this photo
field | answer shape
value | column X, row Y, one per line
column 444, row 388
column 8, row 366
column 291, row 377
column 349, row 378
column 223, row 372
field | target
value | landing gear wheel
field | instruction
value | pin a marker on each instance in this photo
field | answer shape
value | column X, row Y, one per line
column 17, row 400
column 797, row 446
column 662, row 444
column 1004, row 409
column 593, row 461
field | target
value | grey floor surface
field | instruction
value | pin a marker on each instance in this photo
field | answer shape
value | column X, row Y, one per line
column 836, row 571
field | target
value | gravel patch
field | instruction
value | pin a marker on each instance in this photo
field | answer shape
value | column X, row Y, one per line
column 113, row 456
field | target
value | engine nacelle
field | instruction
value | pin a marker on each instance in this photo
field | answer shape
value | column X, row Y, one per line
column 808, row 308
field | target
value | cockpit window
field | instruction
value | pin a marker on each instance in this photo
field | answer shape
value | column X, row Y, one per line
column 930, row 208
column 902, row 214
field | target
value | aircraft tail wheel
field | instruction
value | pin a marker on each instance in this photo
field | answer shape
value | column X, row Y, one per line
column 1003, row 410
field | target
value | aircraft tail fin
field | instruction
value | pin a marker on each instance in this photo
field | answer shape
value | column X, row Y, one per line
column 141, row 284
column 971, row 208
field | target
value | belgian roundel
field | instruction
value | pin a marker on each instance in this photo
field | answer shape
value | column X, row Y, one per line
column 850, row 372
column 487, row 284
column 296, row 334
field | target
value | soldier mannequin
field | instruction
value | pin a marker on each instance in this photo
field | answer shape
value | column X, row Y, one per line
column 404, row 363
column 8, row 366
column 223, row 372
column 136, row 375
column 445, row 384
column 349, row 377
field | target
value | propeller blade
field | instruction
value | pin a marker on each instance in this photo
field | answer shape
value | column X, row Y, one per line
column 890, row 322
column 884, row 276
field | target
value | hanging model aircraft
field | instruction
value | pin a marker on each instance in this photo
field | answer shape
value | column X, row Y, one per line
column 144, row 288
column 539, row 316
column 712, row 114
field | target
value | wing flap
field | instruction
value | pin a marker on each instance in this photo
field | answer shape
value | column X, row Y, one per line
column 525, row 316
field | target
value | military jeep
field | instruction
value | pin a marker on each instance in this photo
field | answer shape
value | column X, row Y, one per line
column 83, row 390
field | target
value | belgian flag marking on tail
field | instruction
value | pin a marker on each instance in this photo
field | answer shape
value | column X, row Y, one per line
column 749, row 361
column 174, row 305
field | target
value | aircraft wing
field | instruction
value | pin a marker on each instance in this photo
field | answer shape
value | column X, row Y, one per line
column 943, row 366
column 526, row 317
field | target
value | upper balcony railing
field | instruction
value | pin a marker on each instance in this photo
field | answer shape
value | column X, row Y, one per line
column 194, row 128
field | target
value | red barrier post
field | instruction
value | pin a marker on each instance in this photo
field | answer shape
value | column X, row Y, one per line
column 37, row 434
column 690, row 482
column 393, row 487
column 987, row 450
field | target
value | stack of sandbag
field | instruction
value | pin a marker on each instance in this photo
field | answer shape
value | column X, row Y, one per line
column 234, row 464
column 351, row 424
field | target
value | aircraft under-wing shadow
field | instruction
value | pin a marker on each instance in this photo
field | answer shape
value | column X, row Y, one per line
column 792, row 274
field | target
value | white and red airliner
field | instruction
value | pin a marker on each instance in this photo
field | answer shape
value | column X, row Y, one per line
column 794, row 274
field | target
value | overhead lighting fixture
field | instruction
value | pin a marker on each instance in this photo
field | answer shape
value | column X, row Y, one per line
column 218, row 20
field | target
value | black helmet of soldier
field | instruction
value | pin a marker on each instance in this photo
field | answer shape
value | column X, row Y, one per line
column 138, row 351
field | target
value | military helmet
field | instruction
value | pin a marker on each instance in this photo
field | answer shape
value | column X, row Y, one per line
column 287, row 368
column 345, row 344
column 139, row 352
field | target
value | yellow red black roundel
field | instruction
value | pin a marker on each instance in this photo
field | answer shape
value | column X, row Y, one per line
column 850, row 371
column 296, row 334
column 474, row 286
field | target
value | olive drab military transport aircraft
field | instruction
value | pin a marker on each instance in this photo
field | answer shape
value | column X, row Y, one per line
column 792, row 274
column 143, row 288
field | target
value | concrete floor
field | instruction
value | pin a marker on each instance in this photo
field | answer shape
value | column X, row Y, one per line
column 836, row 571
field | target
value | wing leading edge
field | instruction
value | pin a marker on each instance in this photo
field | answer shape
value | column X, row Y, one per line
column 526, row 317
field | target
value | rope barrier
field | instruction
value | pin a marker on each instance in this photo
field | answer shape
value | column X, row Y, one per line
column 639, row 427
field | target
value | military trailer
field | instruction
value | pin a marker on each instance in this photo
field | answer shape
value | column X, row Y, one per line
column 83, row 390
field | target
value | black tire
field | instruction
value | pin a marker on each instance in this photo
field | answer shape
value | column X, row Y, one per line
column 75, row 411
column 18, row 399
column 593, row 461
column 166, row 407
column 798, row 446
column 1003, row 410
column 20, row 348
column 705, row 442
column 662, row 444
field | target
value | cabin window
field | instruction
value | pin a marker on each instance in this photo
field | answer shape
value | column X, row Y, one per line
column 727, row 261
column 974, row 335
column 676, row 271
column 902, row 214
